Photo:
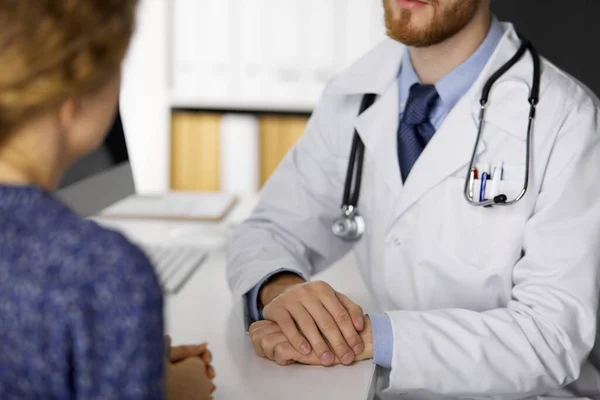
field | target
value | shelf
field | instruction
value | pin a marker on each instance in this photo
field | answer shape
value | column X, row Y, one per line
column 184, row 101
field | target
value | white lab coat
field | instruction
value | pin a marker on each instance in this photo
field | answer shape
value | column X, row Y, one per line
column 499, row 303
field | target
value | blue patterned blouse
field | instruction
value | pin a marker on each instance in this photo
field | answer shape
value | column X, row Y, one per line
column 80, row 306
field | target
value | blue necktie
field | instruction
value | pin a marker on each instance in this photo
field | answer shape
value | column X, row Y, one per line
column 415, row 130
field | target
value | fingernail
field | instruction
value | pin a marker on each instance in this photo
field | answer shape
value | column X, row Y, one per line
column 305, row 349
column 327, row 358
column 358, row 349
column 348, row 358
column 361, row 323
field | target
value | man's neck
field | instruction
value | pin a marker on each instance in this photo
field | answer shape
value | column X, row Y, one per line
column 433, row 63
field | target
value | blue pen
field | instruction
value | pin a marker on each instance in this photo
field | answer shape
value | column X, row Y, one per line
column 484, row 178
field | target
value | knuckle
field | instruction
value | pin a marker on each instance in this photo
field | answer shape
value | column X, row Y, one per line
column 265, row 342
column 320, row 286
column 342, row 318
column 268, row 309
column 279, row 350
column 340, row 348
column 287, row 324
column 329, row 326
column 197, row 362
column 256, row 334
column 276, row 302
column 321, row 348
column 350, row 305
column 281, row 361
column 301, row 291
column 354, row 339
column 297, row 341
column 258, row 325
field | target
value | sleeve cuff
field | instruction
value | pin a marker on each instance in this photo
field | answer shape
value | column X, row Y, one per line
column 383, row 340
column 252, row 296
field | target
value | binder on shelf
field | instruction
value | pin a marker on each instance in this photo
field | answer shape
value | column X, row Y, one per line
column 278, row 134
column 195, row 151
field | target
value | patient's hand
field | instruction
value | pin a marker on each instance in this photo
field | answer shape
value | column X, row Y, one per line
column 270, row 342
column 178, row 354
column 189, row 374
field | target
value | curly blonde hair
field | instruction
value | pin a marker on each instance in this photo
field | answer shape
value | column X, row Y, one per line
column 53, row 50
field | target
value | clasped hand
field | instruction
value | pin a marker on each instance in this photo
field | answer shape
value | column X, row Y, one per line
column 189, row 374
column 310, row 323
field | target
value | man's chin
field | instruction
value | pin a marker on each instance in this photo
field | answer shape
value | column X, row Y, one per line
column 404, row 31
column 411, row 38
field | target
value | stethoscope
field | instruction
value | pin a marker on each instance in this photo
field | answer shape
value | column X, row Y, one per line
column 350, row 226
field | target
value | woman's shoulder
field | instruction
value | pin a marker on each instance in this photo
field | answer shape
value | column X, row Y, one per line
column 52, row 245
column 100, row 254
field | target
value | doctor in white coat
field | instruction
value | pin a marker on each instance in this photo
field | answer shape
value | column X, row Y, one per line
column 496, row 302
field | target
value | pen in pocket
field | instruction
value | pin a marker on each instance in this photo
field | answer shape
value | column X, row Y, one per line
column 496, row 180
column 472, row 178
column 485, row 176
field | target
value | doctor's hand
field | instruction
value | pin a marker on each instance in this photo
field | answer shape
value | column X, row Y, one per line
column 270, row 342
column 314, row 318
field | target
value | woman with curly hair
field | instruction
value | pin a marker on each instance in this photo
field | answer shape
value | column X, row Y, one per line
column 80, row 306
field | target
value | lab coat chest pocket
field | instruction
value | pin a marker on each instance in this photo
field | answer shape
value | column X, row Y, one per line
column 481, row 237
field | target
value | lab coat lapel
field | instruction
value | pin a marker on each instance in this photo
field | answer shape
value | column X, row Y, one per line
column 376, row 73
column 451, row 147
column 377, row 128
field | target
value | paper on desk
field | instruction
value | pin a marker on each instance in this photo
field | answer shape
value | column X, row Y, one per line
column 202, row 206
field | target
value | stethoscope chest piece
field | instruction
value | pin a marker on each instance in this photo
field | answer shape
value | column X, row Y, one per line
column 350, row 226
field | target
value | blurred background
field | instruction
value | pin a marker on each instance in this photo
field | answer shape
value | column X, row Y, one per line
column 215, row 92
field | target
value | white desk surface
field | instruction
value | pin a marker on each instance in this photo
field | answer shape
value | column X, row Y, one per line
column 202, row 312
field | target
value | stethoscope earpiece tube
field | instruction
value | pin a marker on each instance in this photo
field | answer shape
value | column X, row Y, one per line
column 487, row 88
column 355, row 162
column 351, row 225
column 534, row 95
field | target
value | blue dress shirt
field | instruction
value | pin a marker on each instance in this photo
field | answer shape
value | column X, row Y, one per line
column 451, row 89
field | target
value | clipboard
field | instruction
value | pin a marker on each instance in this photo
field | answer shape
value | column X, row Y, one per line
column 174, row 206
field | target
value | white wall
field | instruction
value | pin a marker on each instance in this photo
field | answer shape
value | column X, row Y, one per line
column 145, row 108
column 233, row 54
column 266, row 54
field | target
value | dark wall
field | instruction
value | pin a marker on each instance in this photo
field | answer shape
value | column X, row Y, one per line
column 566, row 32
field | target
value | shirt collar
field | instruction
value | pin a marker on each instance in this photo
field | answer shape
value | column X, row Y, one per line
column 454, row 85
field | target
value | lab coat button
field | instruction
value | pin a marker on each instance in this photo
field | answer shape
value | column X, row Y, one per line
column 397, row 241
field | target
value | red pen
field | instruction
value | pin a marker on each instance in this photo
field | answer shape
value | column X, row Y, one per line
column 474, row 175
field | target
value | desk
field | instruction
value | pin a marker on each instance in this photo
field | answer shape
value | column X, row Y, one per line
column 202, row 311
